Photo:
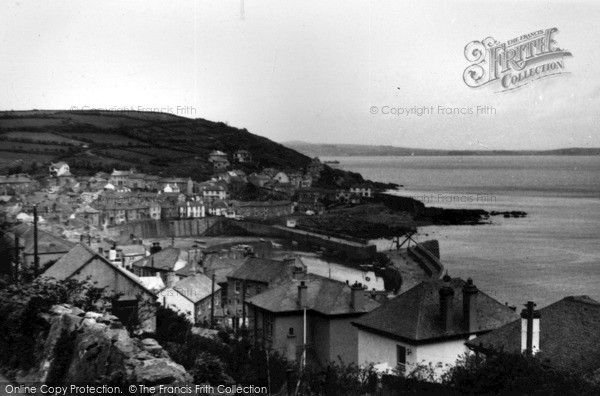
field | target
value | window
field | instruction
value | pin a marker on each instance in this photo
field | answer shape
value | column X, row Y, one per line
column 237, row 286
column 401, row 356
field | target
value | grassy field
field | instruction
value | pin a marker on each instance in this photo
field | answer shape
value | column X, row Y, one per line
column 42, row 136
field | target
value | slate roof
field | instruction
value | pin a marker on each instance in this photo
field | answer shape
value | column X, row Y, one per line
column 195, row 288
column 164, row 259
column 325, row 296
column 414, row 316
column 78, row 257
column 569, row 335
column 47, row 242
column 262, row 270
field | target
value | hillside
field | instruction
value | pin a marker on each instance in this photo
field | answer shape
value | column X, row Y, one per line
column 157, row 143
column 343, row 150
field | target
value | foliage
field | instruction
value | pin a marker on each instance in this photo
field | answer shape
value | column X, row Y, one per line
column 339, row 379
column 229, row 356
column 20, row 309
column 504, row 373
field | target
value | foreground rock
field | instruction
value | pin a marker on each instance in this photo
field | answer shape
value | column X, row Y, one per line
column 93, row 348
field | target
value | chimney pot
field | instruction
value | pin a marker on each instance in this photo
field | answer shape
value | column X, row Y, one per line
column 446, row 306
column 357, row 297
column 530, row 329
column 470, row 293
column 302, row 297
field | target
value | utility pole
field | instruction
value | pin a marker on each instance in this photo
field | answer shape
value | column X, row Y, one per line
column 36, row 256
column 212, row 302
column 17, row 258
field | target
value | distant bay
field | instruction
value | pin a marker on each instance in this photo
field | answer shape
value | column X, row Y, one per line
column 552, row 253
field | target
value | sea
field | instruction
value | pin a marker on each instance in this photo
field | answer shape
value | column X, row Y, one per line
column 551, row 253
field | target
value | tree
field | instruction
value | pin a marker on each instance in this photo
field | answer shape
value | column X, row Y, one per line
column 505, row 373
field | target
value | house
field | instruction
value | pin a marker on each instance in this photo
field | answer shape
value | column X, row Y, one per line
column 242, row 156
column 166, row 260
column 191, row 209
column 15, row 184
column 50, row 246
column 214, row 192
column 429, row 323
column 134, row 302
column 220, row 163
column 361, row 189
column 89, row 215
column 216, row 155
column 59, row 169
column 176, row 185
column 564, row 335
column 264, row 210
column 193, row 296
column 322, row 307
column 258, row 180
column 254, row 276
column 119, row 178
column 281, row 177
column 218, row 208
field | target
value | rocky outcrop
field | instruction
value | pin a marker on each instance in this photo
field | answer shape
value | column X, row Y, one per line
column 88, row 347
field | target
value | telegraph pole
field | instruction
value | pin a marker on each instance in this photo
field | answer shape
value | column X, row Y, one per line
column 212, row 302
column 36, row 256
column 16, row 260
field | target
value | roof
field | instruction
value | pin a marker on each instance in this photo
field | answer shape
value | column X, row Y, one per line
column 120, row 173
column 217, row 152
column 262, row 270
column 414, row 316
column 569, row 336
column 133, row 250
column 80, row 255
column 18, row 178
column 324, row 295
column 47, row 242
column 195, row 288
column 153, row 283
column 58, row 164
column 263, row 203
column 164, row 259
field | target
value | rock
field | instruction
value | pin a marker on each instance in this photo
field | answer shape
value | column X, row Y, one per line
column 60, row 309
column 78, row 311
column 93, row 315
column 149, row 342
column 160, row 371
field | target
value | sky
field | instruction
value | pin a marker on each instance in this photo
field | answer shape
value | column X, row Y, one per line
column 313, row 71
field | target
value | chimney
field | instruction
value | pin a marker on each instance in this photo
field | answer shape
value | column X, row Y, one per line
column 170, row 279
column 470, row 293
column 302, row 294
column 291, row 346
column 446, row 304
column 357, row 297
column 530, row 329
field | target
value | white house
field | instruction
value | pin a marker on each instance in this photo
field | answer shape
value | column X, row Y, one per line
column 192, row 297
column 361, row 189
column 429, row 323
column 282, row 177
column 60, row 169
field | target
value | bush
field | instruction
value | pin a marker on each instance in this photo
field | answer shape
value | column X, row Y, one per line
column 504, row 373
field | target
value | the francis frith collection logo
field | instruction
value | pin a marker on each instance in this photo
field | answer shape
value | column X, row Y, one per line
column 514, row 63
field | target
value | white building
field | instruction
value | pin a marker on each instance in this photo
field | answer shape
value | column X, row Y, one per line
column 429, row 323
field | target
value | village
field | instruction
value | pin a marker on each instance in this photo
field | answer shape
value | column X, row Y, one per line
column 228, row 263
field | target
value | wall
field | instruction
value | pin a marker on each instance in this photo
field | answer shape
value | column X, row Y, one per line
column 373, row 348
column 343, row 342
